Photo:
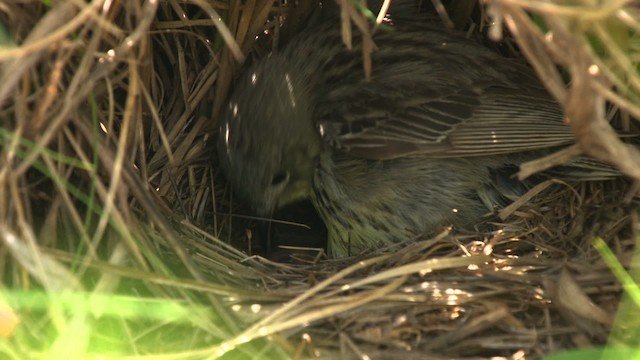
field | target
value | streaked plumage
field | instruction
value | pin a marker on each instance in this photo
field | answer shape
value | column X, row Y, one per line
column 417, row 147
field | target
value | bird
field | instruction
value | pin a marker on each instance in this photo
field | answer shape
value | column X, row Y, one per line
column 430, row 140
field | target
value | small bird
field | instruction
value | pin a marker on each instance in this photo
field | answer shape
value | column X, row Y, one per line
column 430, row 140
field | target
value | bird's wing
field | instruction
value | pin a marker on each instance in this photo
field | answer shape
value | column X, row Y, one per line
column 408, row 116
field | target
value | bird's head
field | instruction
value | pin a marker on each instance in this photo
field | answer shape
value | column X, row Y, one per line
column 268, row 145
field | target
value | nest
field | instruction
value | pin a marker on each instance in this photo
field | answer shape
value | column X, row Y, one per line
column 120, row 238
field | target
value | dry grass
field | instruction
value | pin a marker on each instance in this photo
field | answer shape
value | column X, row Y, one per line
column 113, row 215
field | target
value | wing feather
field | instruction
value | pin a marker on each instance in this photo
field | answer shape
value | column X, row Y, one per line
column 431, row 107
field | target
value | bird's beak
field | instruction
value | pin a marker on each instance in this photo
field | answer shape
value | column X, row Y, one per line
column 296, row 191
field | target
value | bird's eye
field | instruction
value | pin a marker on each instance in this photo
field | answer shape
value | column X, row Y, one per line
column 279, row 178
